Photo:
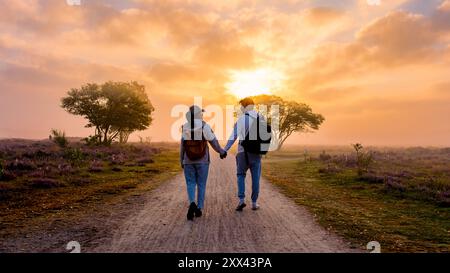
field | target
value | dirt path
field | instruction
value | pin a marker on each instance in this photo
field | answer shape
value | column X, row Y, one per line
column 279, row 226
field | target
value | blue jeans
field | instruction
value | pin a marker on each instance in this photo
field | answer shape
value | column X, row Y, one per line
column 196, row 175
column 254, row 164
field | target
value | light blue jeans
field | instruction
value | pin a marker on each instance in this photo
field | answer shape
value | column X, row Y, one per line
column 254, row 164
column 196, row 175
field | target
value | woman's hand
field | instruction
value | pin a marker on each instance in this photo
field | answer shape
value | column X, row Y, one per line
column 223, row 155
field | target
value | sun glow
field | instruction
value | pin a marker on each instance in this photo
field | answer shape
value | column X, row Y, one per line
column 255, row 82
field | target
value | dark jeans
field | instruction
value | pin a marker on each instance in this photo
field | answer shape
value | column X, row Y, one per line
column 254, row 164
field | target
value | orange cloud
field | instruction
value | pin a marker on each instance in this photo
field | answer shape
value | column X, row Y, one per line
column 320, row 16
column 224, row 53
column 382, row 44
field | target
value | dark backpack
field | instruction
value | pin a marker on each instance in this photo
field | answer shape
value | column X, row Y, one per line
column 258, row 138
column 195, row 149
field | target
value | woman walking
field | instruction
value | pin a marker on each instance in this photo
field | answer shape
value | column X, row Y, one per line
column 194, row 157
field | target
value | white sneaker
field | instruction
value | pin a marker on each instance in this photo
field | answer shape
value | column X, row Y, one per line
column 255, row 206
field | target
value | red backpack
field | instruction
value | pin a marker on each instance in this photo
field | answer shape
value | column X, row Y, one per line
column 195, row 149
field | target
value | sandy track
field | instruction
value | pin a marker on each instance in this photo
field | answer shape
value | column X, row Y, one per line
column 279, row 226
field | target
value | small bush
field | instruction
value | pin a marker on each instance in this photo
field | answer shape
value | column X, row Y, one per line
column 59, row 137
column 79, row 181
column 37, row 173
column 74, row 155
column 329, row 169
column 45, row 183
column 92, row 140
column 390, row 184
column 100, row 155
column 118, row 159
column 373, row 178
column 7, row 176
column 344, row 161
column 443, row 199
column 324, row 156
column 21, row 165
column 66, row 169
column 37, row 155
column 146, row 140
column 47, row 171
column 96, row 167
column 306, row 156
column 144, row 160
column 364, row 160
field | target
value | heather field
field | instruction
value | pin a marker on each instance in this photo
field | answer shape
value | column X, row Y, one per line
column 397, row 196
column 41, row 183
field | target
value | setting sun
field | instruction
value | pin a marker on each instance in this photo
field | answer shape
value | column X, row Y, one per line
column 254, row 82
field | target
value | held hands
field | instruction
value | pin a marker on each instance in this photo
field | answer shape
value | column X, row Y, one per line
column 223, row 155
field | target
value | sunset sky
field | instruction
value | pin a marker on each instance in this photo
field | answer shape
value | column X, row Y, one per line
column 380, row 74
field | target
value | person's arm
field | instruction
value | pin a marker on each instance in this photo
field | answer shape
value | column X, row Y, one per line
column 211, row 137
column 182, row 152
column 233, row 137
column 216, row 146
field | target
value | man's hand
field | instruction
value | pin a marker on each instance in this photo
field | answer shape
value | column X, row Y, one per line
column 223, row 155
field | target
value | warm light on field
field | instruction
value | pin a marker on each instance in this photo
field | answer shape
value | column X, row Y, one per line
column 255, row 82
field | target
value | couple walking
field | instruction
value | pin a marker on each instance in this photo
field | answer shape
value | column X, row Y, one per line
column 194, row 154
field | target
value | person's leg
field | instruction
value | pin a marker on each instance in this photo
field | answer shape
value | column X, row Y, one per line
column 255, row 170
column 190, row 176
column 202, row 171
column 241, row 167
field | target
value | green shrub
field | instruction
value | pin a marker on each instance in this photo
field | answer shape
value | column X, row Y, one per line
column 74, row 155
column 92, row 140
column 59, row 137
column 364, row 160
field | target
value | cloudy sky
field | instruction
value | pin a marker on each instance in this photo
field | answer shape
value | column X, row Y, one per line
column 379, row 73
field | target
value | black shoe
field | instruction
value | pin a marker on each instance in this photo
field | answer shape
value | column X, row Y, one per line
column 192, row 209
column 240, row 207
column 198, row 212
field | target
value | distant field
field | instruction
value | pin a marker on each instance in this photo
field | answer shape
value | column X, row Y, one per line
column 402, row 201
column 39, row 180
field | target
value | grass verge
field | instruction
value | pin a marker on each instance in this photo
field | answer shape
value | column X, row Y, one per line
column 361, row 211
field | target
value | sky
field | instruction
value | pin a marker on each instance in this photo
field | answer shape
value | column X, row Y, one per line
column 378, row 71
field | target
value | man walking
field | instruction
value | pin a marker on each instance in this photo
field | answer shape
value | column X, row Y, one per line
column 246, row 160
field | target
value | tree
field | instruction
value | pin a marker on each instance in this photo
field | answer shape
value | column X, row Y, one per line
column 293, row 117
column 114, row 109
